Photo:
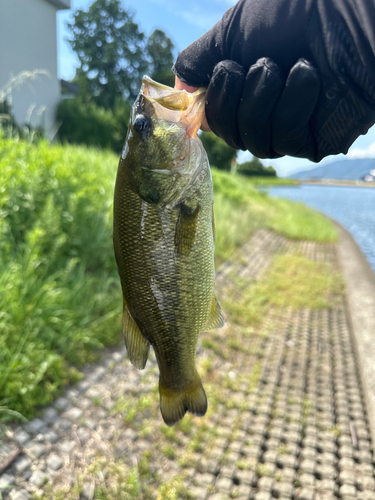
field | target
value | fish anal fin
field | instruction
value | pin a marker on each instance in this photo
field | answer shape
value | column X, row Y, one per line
column 136, row 345
column 174, row 403
column 216, row 318
column 186, row 227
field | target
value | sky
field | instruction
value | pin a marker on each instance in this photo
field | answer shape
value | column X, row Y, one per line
column 184, row 22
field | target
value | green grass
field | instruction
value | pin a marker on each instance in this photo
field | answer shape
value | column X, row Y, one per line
column 59, row 294
column 298, row 282
column 271, row 181
column 59, row 289
column 291, row 281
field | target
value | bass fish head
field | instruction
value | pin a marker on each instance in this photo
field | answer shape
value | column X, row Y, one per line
column 163, row 154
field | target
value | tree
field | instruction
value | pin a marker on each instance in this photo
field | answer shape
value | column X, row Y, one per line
column 110, row 49
column 159, row 51
column 255, row 167
column 219, row 153
column 114, row 54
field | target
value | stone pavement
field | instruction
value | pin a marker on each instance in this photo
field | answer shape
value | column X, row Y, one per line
column 287, row 413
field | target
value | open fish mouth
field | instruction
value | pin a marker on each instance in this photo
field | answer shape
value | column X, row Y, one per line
column 175, row 106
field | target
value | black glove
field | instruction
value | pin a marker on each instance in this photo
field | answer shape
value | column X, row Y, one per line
column 287, row 77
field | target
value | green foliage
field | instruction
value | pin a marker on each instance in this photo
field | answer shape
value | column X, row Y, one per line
column 86, row 123
column 58, row 286
column 255, row 167
column 219, row 153
column 159, row 51
column 109, row 47
column 114, row 54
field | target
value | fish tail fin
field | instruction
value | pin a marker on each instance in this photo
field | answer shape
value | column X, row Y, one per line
column 174, row 404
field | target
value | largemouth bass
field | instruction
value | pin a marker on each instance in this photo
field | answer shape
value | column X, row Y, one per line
column 164, row 242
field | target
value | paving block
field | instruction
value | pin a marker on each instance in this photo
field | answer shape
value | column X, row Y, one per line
column 19, row 495
column 306, row 494
column 265, row 484
column 67, row 446
column 21, row 465
column 347, row 491
column 54, row 462
column 50, row 415
column 36, row 449
column 63, row 425
column 22, row 437
column 73, row 414
column 62, row 404
column 283, row 489
column 205, row 479
column 6, row 480
column 223, row 484
column 263, row 495
column 87, row 492
column 36, row 426
column 52, row 437
column 39, row 478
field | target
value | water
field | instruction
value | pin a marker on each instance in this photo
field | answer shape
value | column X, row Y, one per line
column 352, row 207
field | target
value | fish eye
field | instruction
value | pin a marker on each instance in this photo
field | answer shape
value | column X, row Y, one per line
column 142, row 124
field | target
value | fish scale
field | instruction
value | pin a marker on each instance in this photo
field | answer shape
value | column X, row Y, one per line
column 164, row 245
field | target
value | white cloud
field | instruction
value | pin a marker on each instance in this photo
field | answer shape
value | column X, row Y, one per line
column 368, row 152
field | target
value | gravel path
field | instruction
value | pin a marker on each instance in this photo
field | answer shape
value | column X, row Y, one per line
column 287, row 415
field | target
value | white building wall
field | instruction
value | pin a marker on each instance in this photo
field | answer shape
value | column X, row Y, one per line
column 28, row 42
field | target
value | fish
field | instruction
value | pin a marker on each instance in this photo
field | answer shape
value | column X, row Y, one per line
column 164, row 238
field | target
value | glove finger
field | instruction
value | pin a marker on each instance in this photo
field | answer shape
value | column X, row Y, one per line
column 222, row 100
column 262, row 89
column 290, row 119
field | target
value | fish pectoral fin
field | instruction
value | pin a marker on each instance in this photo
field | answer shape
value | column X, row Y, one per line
column 136, row 345
column 174, row 404
column 216, row 318
column 186, row 227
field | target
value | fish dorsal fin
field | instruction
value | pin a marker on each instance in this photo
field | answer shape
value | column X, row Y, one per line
column 216, row 318
column 136, row 345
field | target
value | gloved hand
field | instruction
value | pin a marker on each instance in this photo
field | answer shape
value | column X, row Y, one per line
column 287, row 77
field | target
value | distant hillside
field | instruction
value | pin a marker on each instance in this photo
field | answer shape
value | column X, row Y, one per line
column 342, row 170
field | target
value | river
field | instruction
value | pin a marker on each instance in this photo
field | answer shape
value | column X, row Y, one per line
column 352, row 207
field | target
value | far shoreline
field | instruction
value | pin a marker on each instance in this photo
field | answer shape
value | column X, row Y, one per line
column 336, row 182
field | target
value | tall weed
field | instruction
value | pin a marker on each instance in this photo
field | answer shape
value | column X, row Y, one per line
column 59, row 294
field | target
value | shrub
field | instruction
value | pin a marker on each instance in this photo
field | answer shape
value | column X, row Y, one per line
column 219, row 153
column 254, row 167
column 86, row 123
